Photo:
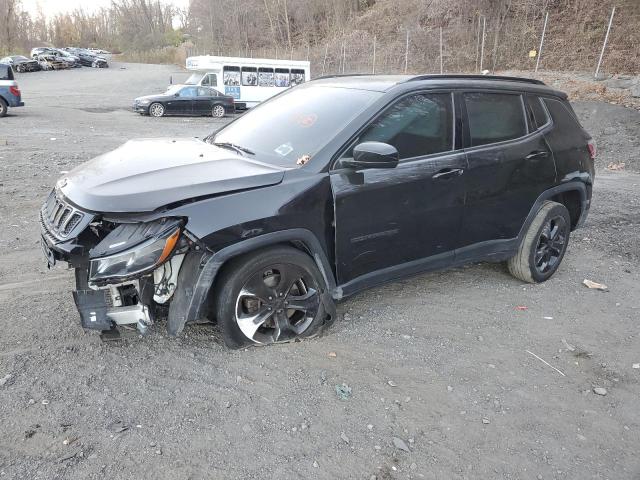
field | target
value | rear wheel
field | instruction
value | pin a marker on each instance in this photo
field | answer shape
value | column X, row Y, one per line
column 544, row 245
column 217, row 111
column 3, row 108
column 156, row 110
column 269, row 296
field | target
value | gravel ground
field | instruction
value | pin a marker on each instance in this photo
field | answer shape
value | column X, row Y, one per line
column 443, row 362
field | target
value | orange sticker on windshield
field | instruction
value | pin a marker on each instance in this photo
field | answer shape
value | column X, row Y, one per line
column 307, row 120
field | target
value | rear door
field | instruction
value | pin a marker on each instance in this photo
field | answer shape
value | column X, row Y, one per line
column 510, row 165
column 389, row 217
column 203, row 102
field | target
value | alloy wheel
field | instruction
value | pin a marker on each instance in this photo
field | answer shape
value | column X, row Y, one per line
column 218, row 111
column 156, row 110
column 551, row 244
column 277, row 304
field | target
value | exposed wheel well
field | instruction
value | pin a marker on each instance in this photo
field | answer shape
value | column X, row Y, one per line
column 572, row 200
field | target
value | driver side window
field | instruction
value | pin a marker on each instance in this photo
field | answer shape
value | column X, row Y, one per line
column 188, row 92
column 417, row 125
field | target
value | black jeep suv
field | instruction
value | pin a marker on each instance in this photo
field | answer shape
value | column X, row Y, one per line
column 334, row 186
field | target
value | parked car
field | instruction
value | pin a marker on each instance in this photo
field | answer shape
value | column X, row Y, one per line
column 20, row 63
column 10, row 95
column 72, row 60
column 185, row 100
column 99, row 51
column 52, row 61
column 88, row 58
column 331, row 187
column 40, row 50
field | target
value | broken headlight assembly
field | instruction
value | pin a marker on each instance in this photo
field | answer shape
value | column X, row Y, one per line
column 132, row 250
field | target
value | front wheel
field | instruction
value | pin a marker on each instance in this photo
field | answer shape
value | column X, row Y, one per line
column 3, row 108
column 544, row 244
column 156, row 110
column 269, row 296
column 217, row 111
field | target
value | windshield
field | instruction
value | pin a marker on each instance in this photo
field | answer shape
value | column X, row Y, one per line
column 194, row 79
column 172, row 90
column 289, row 129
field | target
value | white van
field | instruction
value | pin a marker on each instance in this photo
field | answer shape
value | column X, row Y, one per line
column 248, row 80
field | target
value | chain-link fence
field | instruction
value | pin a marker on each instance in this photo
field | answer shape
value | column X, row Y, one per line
column 486, row 44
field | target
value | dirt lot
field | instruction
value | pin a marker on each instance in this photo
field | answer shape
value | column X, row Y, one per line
column 440, row 361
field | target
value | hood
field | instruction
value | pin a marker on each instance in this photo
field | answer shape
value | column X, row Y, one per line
column 150, row 97
column 143, row 175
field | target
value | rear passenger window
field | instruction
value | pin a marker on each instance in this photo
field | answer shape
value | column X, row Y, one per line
column 539, row 113
column 494, row 117
column 417, row 125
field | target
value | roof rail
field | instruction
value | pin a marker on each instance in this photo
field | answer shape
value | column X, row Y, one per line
column 340, row 75
column 476, row 77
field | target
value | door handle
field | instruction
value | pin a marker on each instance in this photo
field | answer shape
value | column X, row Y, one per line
column 537, row 154
column 446, row 173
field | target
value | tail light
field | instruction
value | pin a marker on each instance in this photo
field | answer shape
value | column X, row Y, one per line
column 591, row 145
column 14, row 91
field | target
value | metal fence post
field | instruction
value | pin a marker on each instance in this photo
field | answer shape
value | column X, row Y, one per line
column 324, row 60
column 441, row 62
column 544, row 30
column 606, row 38
column 477, row 43
column 406, row 53
column 484, row 26
column 373, row 68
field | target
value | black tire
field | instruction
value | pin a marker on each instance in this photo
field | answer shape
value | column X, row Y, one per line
column 283, row 264
column 3, row 108
column 543, row 247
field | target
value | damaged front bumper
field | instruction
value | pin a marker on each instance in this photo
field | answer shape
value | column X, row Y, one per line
column 124, row 271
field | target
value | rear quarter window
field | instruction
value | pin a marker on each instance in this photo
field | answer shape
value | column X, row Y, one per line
column 6, row 73
column 494, row 117
column 540, row 116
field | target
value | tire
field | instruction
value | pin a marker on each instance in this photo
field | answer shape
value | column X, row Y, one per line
column 3, row 108
column 217, row 111
column 260, row 286
column 19, row 68
column 544, row 244
column 156, row 109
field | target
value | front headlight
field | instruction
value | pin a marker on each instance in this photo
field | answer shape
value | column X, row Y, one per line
column 154, row 243
column 144, row 102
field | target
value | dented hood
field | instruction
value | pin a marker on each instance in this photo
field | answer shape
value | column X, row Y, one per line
column 143, row 175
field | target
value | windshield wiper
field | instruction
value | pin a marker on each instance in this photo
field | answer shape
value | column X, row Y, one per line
column 233, row 146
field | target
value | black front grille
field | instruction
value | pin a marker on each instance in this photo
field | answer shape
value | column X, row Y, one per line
column 59, row 218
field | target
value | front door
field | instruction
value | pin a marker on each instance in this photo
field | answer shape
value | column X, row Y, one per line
column 182, row 104
column 510, row 165
column 395, row 218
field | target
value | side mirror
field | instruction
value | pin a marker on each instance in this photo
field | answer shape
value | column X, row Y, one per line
column 372, row 155
column 177, row 94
